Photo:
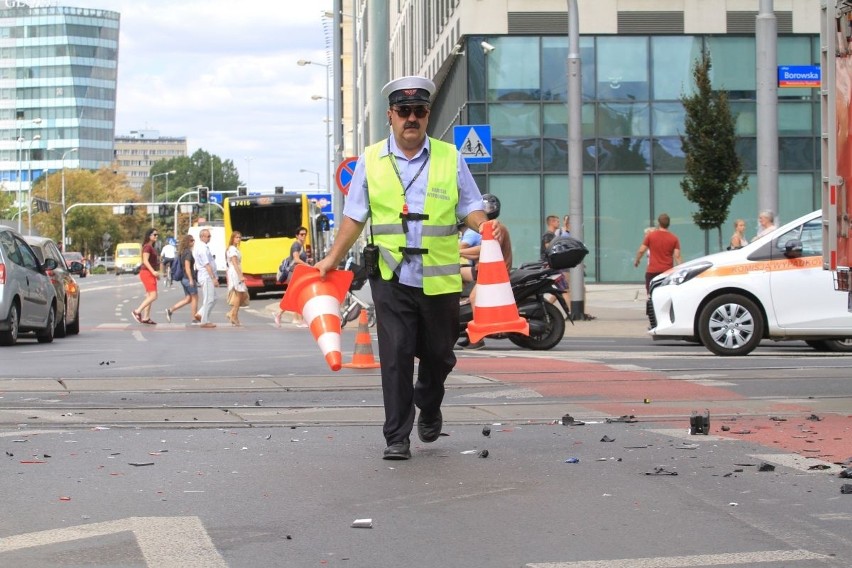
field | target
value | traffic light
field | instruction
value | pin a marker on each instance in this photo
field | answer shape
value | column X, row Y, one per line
column 41, row 205
column 279, row 190
column 203, row 194
column 164, row 210
column 242, row 191
column 128, row 210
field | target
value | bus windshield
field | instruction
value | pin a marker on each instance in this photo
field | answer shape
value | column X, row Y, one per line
column 266, row 216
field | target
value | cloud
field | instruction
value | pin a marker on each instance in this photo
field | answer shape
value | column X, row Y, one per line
column 224, row 75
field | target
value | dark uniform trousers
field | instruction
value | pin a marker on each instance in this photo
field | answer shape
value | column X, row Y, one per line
column 412, row 324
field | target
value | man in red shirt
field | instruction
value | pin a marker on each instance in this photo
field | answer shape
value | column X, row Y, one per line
column 664, row 247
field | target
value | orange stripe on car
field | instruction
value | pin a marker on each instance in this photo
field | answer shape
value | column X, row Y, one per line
column 763, row 266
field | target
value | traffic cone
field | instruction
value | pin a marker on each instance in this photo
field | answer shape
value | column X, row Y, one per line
column 362, row 357
column 318, row 300
column 494, row 309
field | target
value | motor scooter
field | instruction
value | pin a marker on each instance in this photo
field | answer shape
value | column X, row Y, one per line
column 533, row 287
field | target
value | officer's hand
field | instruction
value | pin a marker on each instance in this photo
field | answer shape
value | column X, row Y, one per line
column 324, row 266
column 497, row 230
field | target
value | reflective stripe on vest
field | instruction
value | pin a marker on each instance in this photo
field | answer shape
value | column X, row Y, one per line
column 441, row 273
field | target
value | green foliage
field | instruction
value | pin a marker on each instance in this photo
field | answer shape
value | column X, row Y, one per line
column 713, row 169
column 6, row 200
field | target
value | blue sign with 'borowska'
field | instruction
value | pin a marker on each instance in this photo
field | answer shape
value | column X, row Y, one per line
column 798, row 76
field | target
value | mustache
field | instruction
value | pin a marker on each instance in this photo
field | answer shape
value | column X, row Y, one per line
column 408, row 124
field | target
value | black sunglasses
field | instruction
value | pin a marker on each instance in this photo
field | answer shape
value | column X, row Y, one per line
column 406, row 110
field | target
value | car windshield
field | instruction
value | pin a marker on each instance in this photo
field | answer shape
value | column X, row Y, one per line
column 125, row 252
column 810, row 235
column 73, row 256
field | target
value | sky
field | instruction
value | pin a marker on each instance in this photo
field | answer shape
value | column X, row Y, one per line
column 223, row 74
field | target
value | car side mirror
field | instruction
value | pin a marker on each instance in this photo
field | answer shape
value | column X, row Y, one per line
column 793, row 249
column 49, row 264
column 76, row 266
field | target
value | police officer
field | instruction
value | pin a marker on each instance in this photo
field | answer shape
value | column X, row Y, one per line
column 414, row 189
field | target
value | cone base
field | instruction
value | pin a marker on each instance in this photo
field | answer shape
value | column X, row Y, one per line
column 476, row 331
column 354, row 365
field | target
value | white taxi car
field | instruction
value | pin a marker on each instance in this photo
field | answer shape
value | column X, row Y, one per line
column 774, row 288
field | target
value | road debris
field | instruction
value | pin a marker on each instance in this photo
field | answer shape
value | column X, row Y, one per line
column 846, row 488
column 661, row 471
column 607, row 439
column 625, row 418
column 140, row 464
column 766, row 467
column 699, row 424
column 568, row 420
column 572, row 460
column 486, row 430
column 362, row 524
column 483, row 454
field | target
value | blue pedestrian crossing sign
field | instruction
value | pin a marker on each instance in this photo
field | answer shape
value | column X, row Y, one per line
column 473, row 142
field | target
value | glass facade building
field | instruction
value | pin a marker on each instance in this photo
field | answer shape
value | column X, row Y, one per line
column 632, row 121
column 58, row 72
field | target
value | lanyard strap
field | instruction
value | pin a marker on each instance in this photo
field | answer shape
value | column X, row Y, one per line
column 405, row 188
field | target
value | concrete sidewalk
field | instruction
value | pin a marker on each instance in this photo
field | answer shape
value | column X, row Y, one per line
column 618, row 309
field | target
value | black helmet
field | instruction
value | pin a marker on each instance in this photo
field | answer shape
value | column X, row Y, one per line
column 491, row 205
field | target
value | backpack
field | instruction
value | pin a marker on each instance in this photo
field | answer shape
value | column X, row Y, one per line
column 284, row 270
column 177, row 269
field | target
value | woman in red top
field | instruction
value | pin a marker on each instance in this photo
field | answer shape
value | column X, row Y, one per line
column 149, row 273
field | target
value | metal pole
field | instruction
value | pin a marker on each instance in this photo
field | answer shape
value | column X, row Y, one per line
column 327, row 130
column 20, row 181
column 337, row 62
column 766, row 30
column 575, row 154
column 30, row 189
column 63, row 195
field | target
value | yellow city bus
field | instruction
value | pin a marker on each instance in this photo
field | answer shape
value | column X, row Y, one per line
column 268, row 225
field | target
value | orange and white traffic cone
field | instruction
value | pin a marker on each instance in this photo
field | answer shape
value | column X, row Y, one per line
column 494, row 309
column 362, row 357
column 318, row 300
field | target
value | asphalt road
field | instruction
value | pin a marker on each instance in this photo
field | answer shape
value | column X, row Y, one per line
column 175, row 446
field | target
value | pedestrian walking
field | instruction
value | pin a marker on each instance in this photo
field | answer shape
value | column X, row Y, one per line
column 205, row 266
column 551, row 229
column 414, row 189
column 237, row 291
column 149, row 273
column 664, row 247
column 189, row 281
column 738, row 239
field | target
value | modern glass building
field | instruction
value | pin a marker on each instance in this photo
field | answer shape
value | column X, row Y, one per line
column 637, row 60
column 58, row 71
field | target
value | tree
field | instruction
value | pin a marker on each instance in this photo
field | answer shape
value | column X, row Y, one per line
column 713, row 168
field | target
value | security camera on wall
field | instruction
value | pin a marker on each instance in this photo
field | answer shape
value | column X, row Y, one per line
column 487, row 47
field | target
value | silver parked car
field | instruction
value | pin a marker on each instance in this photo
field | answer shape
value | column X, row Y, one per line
column 67, row 289
column 27, row 296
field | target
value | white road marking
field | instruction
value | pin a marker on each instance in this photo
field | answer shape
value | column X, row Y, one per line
column 799, row 462
column 697, row 560
column 684, row 434
column 25, row 433
column 166, row 542
column 137, row 335
column 510, row 394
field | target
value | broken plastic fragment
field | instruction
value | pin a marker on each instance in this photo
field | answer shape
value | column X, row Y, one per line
column 846, row 488
column 627, row 418
column 572, row 460
column 766, row 467
column 607, row 439
column 138, row 464
column 362, row 524
column 660, row 471
column 486, row 431
column 483, row 454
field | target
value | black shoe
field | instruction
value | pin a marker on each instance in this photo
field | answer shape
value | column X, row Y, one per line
column 475, row 346
column 464, row 341
column 397, row 451
column 429, row 427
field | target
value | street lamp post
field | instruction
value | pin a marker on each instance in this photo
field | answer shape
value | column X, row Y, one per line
column 302, row 63
column 35, row 121
column 63, row 194
column 153, row 177
column 312, row 172
column 35, row 138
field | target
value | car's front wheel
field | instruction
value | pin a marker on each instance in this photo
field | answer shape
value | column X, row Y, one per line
column 46, row 334
column 731, row 325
